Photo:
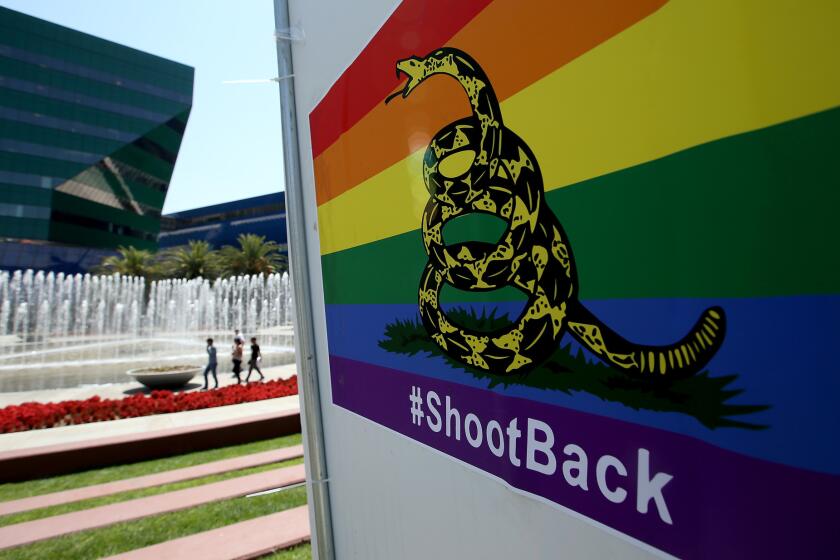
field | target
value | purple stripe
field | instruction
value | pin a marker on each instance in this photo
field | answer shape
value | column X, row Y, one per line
column 722, row 504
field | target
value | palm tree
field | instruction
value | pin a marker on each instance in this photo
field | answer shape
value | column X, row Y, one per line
column 197, row 260
column 130, row 262
column 255, row 255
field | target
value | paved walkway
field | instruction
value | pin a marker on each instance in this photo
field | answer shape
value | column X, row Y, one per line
column 248, row 539
column 41, row 529
column 120, row 390
column 148, row 481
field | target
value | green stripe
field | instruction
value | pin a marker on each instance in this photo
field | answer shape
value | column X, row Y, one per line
column 749, row 215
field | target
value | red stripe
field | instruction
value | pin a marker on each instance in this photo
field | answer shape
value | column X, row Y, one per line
column 417, row 26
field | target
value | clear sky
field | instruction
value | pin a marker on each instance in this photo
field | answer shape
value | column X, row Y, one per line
column 232, row 147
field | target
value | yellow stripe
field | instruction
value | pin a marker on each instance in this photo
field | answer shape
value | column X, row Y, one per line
column 693, row 72
column 388, row 204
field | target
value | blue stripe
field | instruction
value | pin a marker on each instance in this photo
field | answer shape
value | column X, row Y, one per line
column 783, row 350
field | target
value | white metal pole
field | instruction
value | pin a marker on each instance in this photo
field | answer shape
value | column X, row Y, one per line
column 313, row 431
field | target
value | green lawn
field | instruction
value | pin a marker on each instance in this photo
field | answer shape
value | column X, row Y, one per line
column 16, row 490
column 131, row 535
column 123, row 496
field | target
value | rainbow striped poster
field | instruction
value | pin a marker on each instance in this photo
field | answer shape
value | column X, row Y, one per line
column 589, row 249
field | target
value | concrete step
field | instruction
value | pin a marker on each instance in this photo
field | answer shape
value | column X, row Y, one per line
column 148, row 481
column 248, row 539
column 75, row 448
column 33, row 531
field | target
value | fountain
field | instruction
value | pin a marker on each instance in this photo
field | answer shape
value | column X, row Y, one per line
column 61, row 330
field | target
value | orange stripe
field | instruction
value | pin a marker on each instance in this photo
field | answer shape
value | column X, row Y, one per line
column 517, row 43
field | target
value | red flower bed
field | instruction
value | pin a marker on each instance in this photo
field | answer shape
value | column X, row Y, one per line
column 33, row 415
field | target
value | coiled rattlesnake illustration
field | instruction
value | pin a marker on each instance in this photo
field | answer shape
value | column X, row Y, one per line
column 476, row 164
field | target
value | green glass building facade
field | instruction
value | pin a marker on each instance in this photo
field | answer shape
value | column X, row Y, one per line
column 89, row 135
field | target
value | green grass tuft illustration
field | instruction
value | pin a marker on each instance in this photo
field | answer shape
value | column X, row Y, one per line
column 701, row 396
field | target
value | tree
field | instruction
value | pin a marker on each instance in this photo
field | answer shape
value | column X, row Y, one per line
column 131, row 262
column 197, row 260
column 255, row 255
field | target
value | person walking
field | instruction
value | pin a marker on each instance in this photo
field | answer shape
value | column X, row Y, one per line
column 212, row 364
column 236, row 356
column 237, row 337
column 254, row 362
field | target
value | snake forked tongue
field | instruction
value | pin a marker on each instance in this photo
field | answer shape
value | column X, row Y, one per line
column 413, row 68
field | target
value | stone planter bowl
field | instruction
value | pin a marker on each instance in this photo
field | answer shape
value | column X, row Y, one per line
column 171, row 377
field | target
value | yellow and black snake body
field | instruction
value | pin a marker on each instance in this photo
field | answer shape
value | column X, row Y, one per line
column 476, row 164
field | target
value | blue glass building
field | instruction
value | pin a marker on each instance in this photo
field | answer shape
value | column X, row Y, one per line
column 221, row 224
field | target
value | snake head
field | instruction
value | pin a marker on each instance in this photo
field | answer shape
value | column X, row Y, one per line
column 416, row 71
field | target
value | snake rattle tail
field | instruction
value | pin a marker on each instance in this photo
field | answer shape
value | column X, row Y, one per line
column 683, row 359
